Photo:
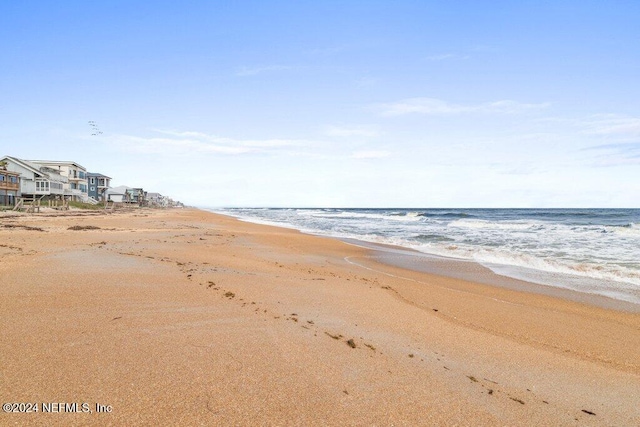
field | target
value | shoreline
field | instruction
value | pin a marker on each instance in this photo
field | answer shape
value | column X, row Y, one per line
column 458, row 268
column 212, row 320
column 472, row 271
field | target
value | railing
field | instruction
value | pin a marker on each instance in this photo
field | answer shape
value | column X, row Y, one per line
column 8, row 185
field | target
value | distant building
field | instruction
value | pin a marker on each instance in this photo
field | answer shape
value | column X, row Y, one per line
column 98, row 185
column 157, row 200
column 137, row 195
column 36, row 180
column 117, row 194
column 76, row 174
column 124, row 194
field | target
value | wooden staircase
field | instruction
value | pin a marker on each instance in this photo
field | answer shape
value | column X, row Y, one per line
column 29, row 204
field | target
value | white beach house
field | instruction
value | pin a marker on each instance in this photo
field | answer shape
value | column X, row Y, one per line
column 124, row 194
column 36, row 180
column 117, row 194
column 76, row 174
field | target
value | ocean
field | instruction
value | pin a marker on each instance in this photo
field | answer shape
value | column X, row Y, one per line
column 587, row 250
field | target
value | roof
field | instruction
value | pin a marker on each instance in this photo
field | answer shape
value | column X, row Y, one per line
column 25, row 164
column 35, row 168
column 96, row 174
column 122, row 189
column 58, row 163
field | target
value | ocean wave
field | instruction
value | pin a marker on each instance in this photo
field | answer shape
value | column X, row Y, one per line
column 433, row 238
column 393, row 216
column 446, row 215
column 498, row 256
column 404, row 216
column 631, row 230
column 485, row 224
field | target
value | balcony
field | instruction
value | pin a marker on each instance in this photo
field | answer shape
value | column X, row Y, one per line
column 9, row 181
column 72, row 192
column 11, row 186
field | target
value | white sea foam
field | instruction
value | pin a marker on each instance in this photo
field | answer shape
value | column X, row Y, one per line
column 484, row 225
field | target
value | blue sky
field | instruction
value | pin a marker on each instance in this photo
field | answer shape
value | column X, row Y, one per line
column 332, row 103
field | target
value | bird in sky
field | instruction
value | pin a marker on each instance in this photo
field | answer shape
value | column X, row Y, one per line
column 95, row 130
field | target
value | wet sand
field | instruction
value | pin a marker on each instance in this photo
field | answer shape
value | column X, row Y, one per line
column 472, row 271
column 183, row 317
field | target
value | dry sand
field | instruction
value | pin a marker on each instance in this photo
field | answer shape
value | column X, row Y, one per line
column 183, row 317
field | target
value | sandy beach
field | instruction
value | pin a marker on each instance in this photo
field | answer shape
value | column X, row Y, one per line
column 184, row 317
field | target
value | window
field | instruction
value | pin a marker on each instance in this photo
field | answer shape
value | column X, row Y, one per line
column 93, row 181
column 1, row 177
column 93, row 188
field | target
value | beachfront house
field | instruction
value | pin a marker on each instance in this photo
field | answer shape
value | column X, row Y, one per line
column 137, row 195
column 117, row 194
column 76, row 174
column 124, row 194
column 157, row 200
column 98, row 186
column 9, row 185
column 36, row 181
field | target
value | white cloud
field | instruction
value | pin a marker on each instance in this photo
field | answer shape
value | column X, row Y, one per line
column 252, row 71
column 616, row 161
column 613, row 125
column 263, row 143
column 619, row 154
column 520, row 169
column 370, row 154
column 185, row 143
column 447, row 56
column 341, row 131
column 434, row 106
column 170, row 146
